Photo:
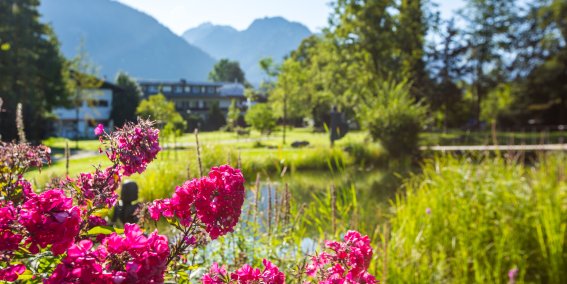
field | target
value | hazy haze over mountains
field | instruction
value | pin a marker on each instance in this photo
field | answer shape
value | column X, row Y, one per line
column 119, row 38
column 268, row 37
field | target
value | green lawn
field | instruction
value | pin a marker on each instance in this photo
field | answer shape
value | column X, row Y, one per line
column 266, row 153
column 273, row 140
column 58, row 144
column 257, row 153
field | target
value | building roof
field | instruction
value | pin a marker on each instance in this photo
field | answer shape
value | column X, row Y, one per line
column 181, row 82
column 232, row 90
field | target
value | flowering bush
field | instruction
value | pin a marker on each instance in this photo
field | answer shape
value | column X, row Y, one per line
column 214, row 201
column 347, row 262
column 56, row 235
column 50, row 219
column 246, row 274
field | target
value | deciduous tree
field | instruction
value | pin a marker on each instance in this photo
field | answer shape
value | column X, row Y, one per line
column 227, row 71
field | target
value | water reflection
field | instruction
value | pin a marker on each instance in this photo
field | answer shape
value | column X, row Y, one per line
column 374, row 192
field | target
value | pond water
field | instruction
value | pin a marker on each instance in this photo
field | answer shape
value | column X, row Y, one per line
column 370, row 191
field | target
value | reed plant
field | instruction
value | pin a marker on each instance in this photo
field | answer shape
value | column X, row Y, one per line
column 467, row 221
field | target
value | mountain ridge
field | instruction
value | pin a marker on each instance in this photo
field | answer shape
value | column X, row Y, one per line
column 272, row 37
column 120, row 38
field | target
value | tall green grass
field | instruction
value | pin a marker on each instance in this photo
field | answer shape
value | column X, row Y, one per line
column 484, row 219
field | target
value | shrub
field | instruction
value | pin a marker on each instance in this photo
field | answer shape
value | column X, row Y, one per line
column 261, row 118
column 365, row 154
column 394, row 118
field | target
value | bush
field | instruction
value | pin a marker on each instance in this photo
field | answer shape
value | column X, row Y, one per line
column 394, row 118
column 261, row 117
column 475, row 222
column 365, row 154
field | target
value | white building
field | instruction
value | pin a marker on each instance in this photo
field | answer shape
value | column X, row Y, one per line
column 95, row 106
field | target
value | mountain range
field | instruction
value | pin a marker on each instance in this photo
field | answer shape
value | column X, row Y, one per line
column 268, row 37
column 120, row 38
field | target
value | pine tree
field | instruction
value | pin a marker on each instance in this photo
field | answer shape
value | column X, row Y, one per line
column 488, row 26
column 413, row 28
column 32, row 71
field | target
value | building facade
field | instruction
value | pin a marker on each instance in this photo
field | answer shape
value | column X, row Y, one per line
column 93, row 107
column 197, row 97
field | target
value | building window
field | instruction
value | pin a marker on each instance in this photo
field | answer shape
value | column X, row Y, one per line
column 152, row 89
column 203, row 90
column 166, row 89
column 178, row 89
column 187, row 89
column 196, row 90
column 211, row 90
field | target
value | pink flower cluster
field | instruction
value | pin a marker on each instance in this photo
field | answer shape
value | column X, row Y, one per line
column 50, row 219
column 81, row 265
column 146, row 256
column 9, row 241
column 15, row 160
column 216, row 200
column 347, row 263
column 99, row 187
column 133, row 258
column 23, row 156
column 245, row 275
column 11, row 272
column 134, row 146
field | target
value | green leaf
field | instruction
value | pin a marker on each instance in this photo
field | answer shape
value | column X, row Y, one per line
column 27, row 275
column 105, row 230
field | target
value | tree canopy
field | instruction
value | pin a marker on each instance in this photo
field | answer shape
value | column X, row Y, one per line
column 158, row 108
column 125, row 102
column 261, row 118
column 32, row 70
column 227, row 71
column 498, row 48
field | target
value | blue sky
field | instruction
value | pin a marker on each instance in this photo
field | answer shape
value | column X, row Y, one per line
column 179, row 15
